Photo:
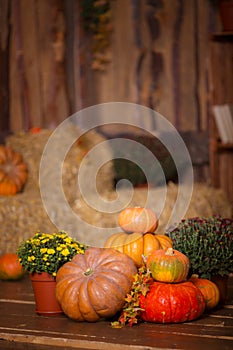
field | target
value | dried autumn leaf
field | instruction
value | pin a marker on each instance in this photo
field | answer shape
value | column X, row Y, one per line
column 131, row 311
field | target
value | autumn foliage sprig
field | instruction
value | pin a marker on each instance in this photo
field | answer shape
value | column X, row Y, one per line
column 131, row 310
column 47, row 252
column 208, row 243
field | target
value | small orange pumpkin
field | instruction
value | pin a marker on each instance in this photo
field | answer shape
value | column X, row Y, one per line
column 13, row 171
column 136, row 245
column 168, row 265
column 35, row 130
column 10, row 267
column 209, row 290
column 138, row 219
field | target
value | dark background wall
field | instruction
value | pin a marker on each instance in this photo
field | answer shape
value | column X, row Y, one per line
column 157, row 56
column 58, row 57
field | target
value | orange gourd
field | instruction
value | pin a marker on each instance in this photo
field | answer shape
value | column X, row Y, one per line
column 136, row 245
column 10, row 267
column 138, row 219
column 94, row 285
column 168, row 265
column 13, row 171
column 209, row 290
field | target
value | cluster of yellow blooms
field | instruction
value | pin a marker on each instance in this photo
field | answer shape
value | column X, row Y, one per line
column 46, row 252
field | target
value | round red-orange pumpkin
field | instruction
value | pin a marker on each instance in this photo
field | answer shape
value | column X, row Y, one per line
column 136, row 245
column 10, row 267
column 168, row 265
column 172, row 303
column 209, row 290
column 94, row 285
column 13, row 171
column 138, row 219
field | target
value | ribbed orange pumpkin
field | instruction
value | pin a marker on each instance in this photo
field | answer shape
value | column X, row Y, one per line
column 168, row 265
column 94, row 285
column 209, row 290
column 136, row 245
column 10, row 267
column 13, row 171
column 138, row 219
column 172, row 303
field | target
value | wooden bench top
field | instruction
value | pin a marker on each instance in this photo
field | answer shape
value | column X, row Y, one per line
column 22, row 328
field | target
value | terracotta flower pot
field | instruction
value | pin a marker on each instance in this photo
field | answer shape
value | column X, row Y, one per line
column 44, row 287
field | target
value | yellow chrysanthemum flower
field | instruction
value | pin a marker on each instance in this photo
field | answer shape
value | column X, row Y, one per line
column 31, row 258
column 65, row 252
column 43, row 250
column 50, row 251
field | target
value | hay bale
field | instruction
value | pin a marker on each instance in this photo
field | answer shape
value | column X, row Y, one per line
column 23, row 214
column 20, row 217
column 205, row 201
column 31, row 146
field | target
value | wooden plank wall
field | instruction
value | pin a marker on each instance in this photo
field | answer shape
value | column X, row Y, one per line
column 38, row 94
column 221, row 66
column 4, row 67
column 158, row 58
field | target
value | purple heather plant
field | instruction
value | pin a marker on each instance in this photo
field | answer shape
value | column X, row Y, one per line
column 207, row 242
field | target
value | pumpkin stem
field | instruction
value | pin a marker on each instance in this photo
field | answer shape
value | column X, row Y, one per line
column 88, row 272
column 169, row 251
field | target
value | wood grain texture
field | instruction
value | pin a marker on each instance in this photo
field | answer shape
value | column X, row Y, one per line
column 157, row 55
column 220, row 66
column 21, row 328
column 38, row 95
column 4, row 65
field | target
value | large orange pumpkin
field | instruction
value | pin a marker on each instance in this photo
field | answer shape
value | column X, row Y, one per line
column 10, row 267
column 138, row 219
column 172, row 303
column 168, row 265
column 136, row 245
column 209, row 290
column 94, row 285
column 13, row 171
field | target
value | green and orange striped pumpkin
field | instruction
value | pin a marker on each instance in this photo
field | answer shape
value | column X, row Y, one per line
column 168, row 265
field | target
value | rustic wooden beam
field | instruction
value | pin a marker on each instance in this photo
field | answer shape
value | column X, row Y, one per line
column 57, row 66
column 136, row 20
column 4, row 65
column 23, row 84
column 176, row 61
column 197, row 70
